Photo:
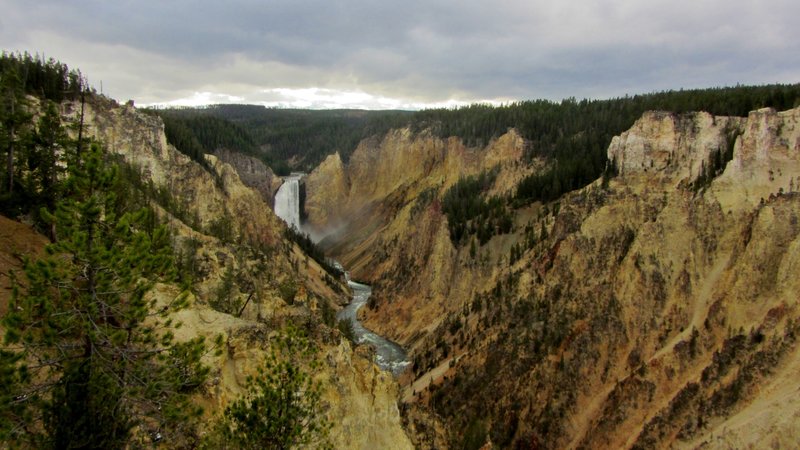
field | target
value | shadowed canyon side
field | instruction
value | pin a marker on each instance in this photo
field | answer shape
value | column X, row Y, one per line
column 248, row 279
column 252, row 172
column 654, row 309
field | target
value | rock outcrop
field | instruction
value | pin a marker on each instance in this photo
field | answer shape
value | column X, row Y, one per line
column 669, row 145
column 765, row 160
column 253, row 173
column 679, row 149
column 363, row 403
column 328, row 185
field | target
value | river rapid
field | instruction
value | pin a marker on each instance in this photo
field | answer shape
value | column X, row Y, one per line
column 388, row 355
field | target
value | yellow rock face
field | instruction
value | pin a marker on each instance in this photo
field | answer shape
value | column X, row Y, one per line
column 403, row 164
column 330, row 186
column 671, row 307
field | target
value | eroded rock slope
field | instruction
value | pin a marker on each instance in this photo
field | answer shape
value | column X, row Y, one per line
column 248, row 279
column 655, row 310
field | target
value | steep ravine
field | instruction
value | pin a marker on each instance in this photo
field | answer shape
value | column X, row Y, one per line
column 657, row 310
column 388, row 355
column 382, row 213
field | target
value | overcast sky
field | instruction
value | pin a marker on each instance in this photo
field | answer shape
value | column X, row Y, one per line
column 406, row 54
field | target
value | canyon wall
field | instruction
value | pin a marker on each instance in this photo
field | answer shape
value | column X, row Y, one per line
column 382, row 212
column 656, row 309
column 222, row 219
column 253, row 173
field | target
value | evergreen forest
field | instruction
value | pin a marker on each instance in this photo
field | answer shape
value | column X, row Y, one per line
column 285, row 139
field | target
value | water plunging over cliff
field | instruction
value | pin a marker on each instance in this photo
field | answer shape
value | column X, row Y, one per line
column 388, row 355
column 287, row 200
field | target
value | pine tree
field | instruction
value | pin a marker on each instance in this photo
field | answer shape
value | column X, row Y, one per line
column 12, row 118
column 87, row 359
column 281, row 409
column 45, row 156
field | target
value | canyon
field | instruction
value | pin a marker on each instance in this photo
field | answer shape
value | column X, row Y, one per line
column 224, row 229
column 654, row 309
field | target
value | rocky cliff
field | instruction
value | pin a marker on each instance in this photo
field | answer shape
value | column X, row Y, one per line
column 212, row 194
column 382, row 212
column 656, row 310
column 404, row 163
column 253, row 173
column 329, row 186
column 248, row 279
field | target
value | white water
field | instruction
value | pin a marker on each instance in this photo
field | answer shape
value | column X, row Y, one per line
column 388, row 355
column 287, row 200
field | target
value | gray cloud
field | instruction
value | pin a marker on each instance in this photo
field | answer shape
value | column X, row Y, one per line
column 416, row 51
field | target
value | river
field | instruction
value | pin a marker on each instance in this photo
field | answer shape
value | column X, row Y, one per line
column 388, row 355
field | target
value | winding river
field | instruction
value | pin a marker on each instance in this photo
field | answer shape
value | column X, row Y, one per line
column 388, row 355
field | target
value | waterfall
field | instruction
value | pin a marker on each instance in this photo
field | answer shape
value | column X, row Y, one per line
column 388, row 355
column 287, row 200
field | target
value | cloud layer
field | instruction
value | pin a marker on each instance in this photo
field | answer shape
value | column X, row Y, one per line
column 363, row 53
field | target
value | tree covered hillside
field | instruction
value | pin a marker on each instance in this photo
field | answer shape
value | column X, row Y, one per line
column 291, row 139
column 84, row 360
column 572, row 135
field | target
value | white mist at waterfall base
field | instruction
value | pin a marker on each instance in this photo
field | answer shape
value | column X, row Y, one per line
column 388, row 355
column 287, row 200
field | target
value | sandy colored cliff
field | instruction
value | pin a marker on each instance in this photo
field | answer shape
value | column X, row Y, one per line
column 659, row 310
